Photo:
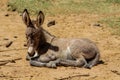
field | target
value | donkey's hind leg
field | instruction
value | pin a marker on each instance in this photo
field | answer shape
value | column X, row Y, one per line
column 79, row 62
column 75, row 63
column 94, row 61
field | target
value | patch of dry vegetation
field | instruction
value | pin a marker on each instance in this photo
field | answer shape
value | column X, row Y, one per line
column 56, row 7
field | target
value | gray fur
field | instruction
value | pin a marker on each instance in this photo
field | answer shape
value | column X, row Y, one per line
column 54, row 51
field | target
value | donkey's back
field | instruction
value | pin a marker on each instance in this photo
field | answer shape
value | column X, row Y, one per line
column 84, row 47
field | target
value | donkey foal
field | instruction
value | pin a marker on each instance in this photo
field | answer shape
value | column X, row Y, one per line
column 52, row 51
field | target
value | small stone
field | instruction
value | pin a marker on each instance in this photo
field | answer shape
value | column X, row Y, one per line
column 20, row 14
column 51, row 23
column 15, row 37
column 25, row 45
column 8, row 5
column 13, row 10
column 5, row 39
column 97, row 24
column 6, row 15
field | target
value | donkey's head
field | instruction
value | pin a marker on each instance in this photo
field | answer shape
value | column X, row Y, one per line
column 34, row 32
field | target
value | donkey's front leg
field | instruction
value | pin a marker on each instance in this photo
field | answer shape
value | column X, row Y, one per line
column 53, row 64
column 37, row 63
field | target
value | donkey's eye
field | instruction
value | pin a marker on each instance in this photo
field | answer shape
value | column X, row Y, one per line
column 30, row 35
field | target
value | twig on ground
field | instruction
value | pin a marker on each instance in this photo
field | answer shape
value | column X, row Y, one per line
column 51, row 23
column 4, row 62
column 115, row 71
column 8, row 44
column 69, row 77
column 12, row 49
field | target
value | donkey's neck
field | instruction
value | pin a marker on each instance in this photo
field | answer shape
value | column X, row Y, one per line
column 46, row 39
column 48, row 36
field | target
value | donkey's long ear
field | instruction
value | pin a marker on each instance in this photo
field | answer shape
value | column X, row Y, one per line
column 26, row 17
column 40, row 19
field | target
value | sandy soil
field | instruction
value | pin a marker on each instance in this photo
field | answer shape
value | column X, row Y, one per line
column 68, row 26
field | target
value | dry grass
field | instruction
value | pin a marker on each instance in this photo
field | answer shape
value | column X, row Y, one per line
column 56, row 7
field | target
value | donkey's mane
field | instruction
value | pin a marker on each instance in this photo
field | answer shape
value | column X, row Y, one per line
column 48, row 33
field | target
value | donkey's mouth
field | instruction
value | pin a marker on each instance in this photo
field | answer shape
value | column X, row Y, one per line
column 31, row 55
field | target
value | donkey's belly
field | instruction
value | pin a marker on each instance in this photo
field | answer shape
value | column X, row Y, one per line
column 65, row 54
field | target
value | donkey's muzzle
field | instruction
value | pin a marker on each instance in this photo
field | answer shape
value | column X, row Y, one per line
column 31, row 55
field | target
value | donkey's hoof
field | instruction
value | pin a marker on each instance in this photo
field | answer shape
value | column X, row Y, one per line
column 88, row 66
column 51, row 65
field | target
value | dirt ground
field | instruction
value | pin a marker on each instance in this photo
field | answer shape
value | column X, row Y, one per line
column 68, row 26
